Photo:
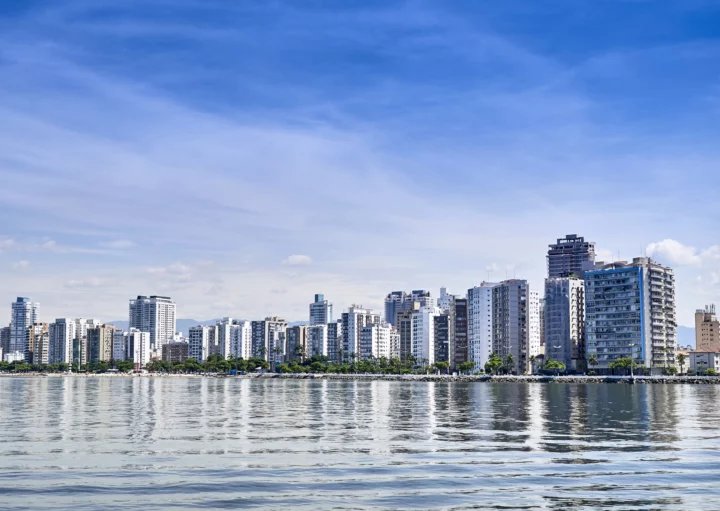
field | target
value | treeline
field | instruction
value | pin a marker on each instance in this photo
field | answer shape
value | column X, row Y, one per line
column 99, row 367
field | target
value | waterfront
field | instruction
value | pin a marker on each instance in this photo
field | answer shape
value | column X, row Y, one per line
column 164, row 443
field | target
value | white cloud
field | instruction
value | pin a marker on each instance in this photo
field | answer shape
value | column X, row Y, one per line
column 120, row 244
column 21, row 265
column 173, row 269
column 298, row 260
column 86, row 283
column 673, row 252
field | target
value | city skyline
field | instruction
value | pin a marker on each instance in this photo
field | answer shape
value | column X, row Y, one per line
column 245, row 162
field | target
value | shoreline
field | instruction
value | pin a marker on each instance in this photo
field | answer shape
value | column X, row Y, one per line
column 649, row 380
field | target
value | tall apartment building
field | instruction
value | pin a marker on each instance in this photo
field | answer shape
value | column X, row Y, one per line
column 23, row 314
column 100, row 343
column 479, row 325
column 458, row 332
column 224, row 330
column 442, row 337
column 423, row 334
column 376, row 341
column 399, row 300
column 570, row 255
column 321, row 311
column 630, row 312
column 334, row 340
column 38, row 344
column 515, row 322
column 62, row 335
column 268, row 338
column 5, row 339
column 241, row 339
column 445, row 300
column 80, row 344
column 297, row 342
column 138, row 345
column 564, row 321
column 404, row 326
column 119, row 345
column 707, row 330
column 155, row 315
column 175, row 352
column 353, row 322
column 199, row 338
column 317, row 340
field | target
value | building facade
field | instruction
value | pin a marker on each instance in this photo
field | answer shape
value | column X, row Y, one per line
column 62, row 335
column 399, row 300
column 268, row 338
column 138, row 345
column 100, row 343
column 630, row 312
column 423, row 335
column 353, row 321
column 701, row 361
column 479, row 325
column 458, row 332
column 707, row 330
column 298, row 348
column 38, row 344
column 155, row 315
column 564, row 322
column 442, row 337
column 334, row 340
column 321, row 311
column 376, row 341
column 571, row 255
column 241, row 339
column 119, row 345
column 175, row 352
column 24, row 313
column 317, row 339
column 512, row 315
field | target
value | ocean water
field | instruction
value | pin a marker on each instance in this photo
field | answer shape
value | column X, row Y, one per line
column 192, row 443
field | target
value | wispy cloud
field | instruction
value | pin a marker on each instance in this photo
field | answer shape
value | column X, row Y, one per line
column 298, row 260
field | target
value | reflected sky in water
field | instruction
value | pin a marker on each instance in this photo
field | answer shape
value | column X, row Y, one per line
column 173, row 443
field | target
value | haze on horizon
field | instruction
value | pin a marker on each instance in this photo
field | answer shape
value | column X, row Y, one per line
column 242, row 156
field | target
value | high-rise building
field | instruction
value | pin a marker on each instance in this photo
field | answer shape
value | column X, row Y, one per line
column 353, row 322
column 445, row 300
column 241, row 339
column 630, row 312
column 479, row 329
column 138, row 344
column 268, row 338
column 23, row 314
column 155, row 315
column 5, row 339
column 565, row 321
column 458, row 332
column 119, row 345
column 199, row 342
column 80, row 344
column 321, row 311
column 404, row 326
column 399, row 300
column 297, row 342
column 707, row 330
column 423, row 334
column 224, row 330
column 571, row 255
column 515, row 322
column 175, row 352
column 334, row 340
column 376, row 341
column 62, row 335
column 442, row 337
column 100, row 343
column 38, row 344
column 317, row 339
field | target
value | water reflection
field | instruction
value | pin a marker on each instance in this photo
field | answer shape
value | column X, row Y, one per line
column 163, row 443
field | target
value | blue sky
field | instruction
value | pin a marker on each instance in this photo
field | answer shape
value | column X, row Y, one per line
column 241, row 156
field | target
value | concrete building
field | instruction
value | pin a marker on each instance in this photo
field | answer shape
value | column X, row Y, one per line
column 241, row 339
column 445, row 300
column 24, row 313
column 376, row 341
column 334, row 340
column 479, row 325
column 100, row 343
column 513, row 314
column 317, row 339
column 701, row 361
column 119, row 345
column 80, row 342
column 565, row 321
column 298, row 346
column 630, row 312
column 534, row 323
column 199, row 342
column 353, row 322
column 707, row 330
column 423, row 335
column 5, row 339
column 138, row 344
column 404, row 326
column 155, row 315
column 268, row 338
column 399, row 300
column 442, row 337
column 175, row 352
column 62, row 335
column 571, row 255
column 38, row 344
column 321, row 311
column 223, row 344
column 458, row 332
column 13, row 356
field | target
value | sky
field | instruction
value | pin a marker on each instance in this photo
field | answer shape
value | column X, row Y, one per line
column 242, row 156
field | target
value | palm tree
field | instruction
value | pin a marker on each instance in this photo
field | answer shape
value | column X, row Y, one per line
column 278, row 351
column 262, row 351
column 509, row 362
column 340, row 355
column 681, row 362
column 532, row 364
column 593, row 360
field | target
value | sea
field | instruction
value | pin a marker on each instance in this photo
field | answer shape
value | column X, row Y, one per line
column 154, row 443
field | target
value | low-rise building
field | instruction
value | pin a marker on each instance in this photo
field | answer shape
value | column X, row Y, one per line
column 701, row 361
column 175, row 352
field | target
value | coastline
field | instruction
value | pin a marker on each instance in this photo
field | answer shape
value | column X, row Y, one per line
column 649, row 380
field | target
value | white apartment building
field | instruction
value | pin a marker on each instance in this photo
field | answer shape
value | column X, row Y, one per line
column 445, row 300
column 268, row 338
column 241, row 339
column 376, row 341
column 224, row 334
column 138, row 344
column 480, row 324
column 23, row 314
column 321, row 311
column 423, row 334
column 14, row 356
column 155, row 315
column 353, row 321
column 317, row 338
column 199, row 342
column 565, row 321
column 119, row 345
column 38, row 344
column 533, row 324
column 62, row 335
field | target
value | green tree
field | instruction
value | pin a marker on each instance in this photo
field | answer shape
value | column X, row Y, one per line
column 593, row 360
column 625, row 363
column 493, row 365
column 442, row 366
column 554, row 365
column 711, row 372
column 509, row 363
column 466, row 367
column 681, row 358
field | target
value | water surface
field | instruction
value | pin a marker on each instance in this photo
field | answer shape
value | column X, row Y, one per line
column 191, row 443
